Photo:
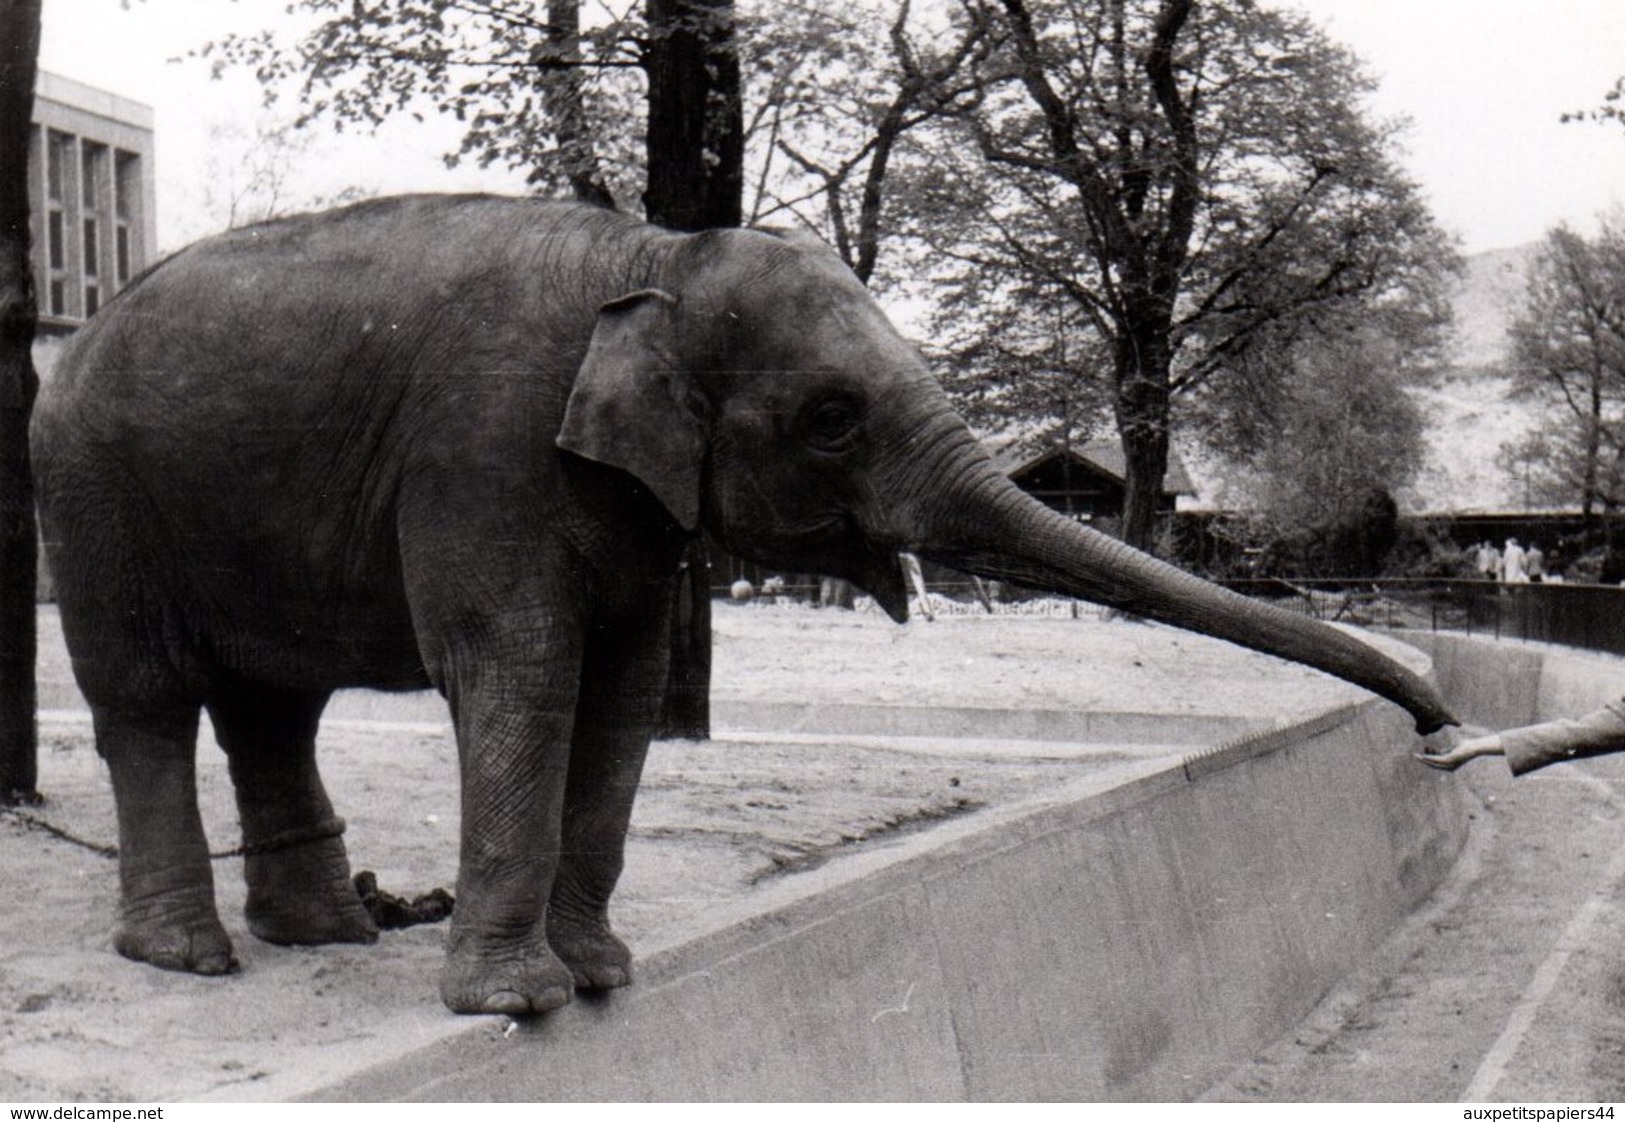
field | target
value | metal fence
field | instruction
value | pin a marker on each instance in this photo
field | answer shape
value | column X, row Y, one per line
column 1590, row 616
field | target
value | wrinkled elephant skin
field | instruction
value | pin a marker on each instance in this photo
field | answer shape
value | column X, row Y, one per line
column 460, row 442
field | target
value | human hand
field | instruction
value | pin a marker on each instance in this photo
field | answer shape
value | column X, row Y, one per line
column 1460, row 753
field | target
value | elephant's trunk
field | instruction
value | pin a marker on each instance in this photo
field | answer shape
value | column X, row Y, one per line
column 979, row 522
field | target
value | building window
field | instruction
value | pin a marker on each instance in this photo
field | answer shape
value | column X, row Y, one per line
column 126, row 184
column 56, row 240
column 126, row 207
column 92, row 249
column 58, row 151
column 61, row 179
column 93, row 158
column 93, row 299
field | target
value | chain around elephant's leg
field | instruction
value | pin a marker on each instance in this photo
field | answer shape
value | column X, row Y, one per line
column 298, row 873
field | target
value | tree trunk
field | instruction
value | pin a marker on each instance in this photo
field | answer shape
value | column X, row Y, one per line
column 19, row 542
column 1588, row 485
column 1145, row 456
column 1142, row 408
column 696, row 158
column 696, row 140
column 686, row 713
column 564, row 93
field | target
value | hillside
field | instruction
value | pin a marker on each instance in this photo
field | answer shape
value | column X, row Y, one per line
column 1484, row 301
column 1471, row 420
column 1470, row 416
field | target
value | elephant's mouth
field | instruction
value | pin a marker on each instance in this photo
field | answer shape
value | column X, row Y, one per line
column 833, row 546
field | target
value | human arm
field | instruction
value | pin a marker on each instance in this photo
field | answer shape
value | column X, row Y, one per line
column 1535, row 746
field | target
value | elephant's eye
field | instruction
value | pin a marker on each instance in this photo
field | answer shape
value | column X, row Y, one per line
column 832, row 424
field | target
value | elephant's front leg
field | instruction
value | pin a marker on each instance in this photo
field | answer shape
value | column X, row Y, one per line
column 623, row 683
column 513, row 701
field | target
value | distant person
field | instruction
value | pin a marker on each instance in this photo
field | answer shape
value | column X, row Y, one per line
column 1512, row 564
column 1534, row 563
column 1535, row 746
column 1486, row 560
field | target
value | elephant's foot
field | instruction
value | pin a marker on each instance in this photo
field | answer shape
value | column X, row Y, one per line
column 597, row 958
column 195, row 943
column 301, row 895
column 309, row 922
column 516, row 980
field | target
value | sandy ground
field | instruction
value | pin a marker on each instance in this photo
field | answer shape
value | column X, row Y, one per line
column 714, row 820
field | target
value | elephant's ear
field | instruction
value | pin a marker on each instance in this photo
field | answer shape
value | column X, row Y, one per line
column 634, row 408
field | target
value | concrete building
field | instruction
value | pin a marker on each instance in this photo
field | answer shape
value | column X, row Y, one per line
column 91, row 198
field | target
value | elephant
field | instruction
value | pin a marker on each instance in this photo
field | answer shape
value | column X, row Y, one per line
column 460, row 442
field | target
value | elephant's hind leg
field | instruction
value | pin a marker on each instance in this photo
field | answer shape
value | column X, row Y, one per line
column 298, row 873
column 167, row 913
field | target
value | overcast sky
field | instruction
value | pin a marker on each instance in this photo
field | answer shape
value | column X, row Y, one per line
column 1484, row 82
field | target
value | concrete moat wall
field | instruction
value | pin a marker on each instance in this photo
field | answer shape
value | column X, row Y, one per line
column 1131, row 938
column 1501, row 683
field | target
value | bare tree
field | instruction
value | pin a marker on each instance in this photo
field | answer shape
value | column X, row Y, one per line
column 839, row 107
column 252, row 174
column 1194, row 180
column 1568, row 354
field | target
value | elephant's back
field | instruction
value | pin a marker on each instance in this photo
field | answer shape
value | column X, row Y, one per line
column 289, row 319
